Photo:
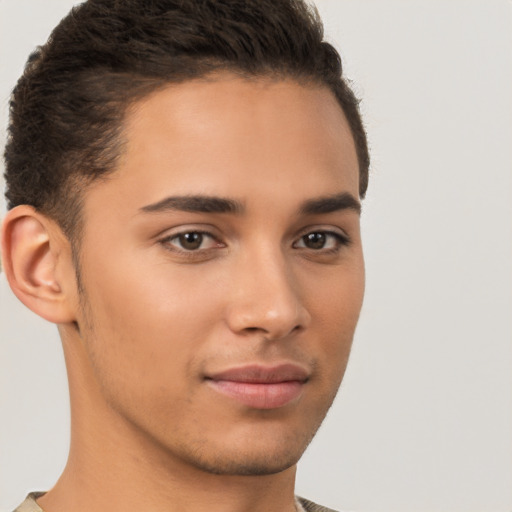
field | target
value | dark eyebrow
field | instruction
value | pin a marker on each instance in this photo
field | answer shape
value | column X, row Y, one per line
column 330, row 204
column 200, row 204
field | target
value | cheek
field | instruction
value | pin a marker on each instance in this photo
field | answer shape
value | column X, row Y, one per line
column 335, row 313
column 148, row 326
column 133, row 296
column 337, row 296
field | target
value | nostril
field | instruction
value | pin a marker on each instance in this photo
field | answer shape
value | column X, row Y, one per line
column 271, row 334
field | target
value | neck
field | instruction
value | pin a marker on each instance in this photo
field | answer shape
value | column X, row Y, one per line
column 89, row 483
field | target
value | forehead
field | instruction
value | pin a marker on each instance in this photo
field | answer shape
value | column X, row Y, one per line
column 235, row 136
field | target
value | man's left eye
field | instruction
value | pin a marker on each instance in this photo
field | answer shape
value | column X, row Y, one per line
column 318, row 240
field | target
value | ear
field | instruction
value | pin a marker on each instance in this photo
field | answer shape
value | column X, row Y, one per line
column 38, row 265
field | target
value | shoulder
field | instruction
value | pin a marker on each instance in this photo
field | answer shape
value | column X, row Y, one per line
column 309, row 506
column 30, row 504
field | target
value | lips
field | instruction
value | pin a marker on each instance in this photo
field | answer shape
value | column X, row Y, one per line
column 261, row 387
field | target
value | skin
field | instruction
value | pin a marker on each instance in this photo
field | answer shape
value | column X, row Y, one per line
column 156, row 318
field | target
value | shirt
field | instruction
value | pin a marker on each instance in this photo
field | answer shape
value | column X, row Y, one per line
column 302, row 505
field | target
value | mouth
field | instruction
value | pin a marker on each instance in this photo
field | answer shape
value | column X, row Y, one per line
column 261, row 387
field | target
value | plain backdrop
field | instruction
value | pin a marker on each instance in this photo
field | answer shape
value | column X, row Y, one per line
column 423, row 421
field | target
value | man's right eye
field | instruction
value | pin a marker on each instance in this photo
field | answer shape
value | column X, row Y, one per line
column 191, row 241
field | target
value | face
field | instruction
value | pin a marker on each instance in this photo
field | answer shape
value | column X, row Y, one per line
column 222, row 271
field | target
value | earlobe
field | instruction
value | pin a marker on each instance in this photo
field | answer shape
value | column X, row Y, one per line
column 33, row 254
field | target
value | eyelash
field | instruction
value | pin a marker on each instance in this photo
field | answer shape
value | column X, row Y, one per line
column 340, row 241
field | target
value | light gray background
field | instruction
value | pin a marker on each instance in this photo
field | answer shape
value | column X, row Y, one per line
column 424, row 418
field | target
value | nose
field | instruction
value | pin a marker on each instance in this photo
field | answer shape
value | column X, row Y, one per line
column 265, row 298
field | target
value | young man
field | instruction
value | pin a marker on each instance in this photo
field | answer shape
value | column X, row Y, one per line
column 184, row 183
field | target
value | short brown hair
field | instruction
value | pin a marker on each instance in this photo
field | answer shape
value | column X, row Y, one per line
column 67, row 110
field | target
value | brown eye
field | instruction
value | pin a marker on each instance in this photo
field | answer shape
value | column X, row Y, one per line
column 314, row 240
column 190, row 241
column 322, row 241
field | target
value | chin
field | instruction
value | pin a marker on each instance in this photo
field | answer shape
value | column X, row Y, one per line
column 256, row 454
column 248, row 464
